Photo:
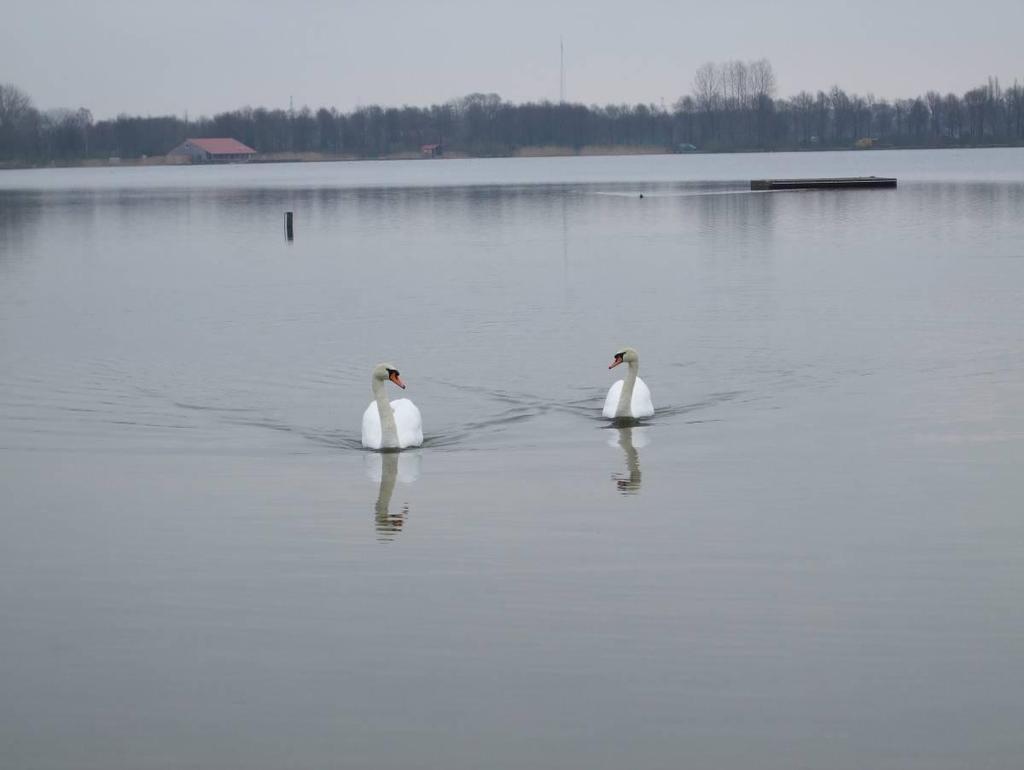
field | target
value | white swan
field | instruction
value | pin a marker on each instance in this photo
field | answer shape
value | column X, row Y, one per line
column 629, row 397
column 394, row 425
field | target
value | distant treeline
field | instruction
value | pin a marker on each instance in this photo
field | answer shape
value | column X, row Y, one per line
column 732, row 106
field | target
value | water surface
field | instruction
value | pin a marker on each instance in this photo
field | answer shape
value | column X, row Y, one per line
column 809, row 557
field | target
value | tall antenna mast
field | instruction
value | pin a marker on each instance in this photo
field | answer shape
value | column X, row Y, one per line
column 561, row 71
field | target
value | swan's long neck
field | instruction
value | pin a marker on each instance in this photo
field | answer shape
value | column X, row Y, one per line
column 388, row 428
column 626, row 396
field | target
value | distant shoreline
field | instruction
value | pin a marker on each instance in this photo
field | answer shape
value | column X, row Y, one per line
column 523, row 152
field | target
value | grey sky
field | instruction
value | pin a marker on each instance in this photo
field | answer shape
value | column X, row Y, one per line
column 145, row 57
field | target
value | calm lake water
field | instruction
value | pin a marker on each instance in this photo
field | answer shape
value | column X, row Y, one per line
column 812, row 556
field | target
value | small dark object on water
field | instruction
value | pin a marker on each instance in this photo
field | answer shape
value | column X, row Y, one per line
column 834, row 183
column 641, row 195
column 288, row 225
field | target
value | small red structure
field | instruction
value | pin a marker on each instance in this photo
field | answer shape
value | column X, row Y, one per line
column 432, row 150
column 215, row 150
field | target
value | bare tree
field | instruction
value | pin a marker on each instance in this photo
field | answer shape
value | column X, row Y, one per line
column 803, row 107
column 936, row 109
column 18, row 123
column 15, row 104
column 762, row 78
column 707, row 88
column 707, row 92
column 954, row 116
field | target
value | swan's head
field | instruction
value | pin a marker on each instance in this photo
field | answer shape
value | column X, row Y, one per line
column 387, row 372
column 626, row 355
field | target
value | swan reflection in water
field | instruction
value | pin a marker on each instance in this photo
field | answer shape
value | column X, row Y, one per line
column 386, row 468
column 630, row 439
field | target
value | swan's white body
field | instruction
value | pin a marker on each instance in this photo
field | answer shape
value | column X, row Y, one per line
column 408, row 426
column 640, row 405
column 629, row 397
column 390, row 425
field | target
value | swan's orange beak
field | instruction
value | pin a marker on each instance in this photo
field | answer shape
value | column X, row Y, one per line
column 616, row 362
column 397, row 380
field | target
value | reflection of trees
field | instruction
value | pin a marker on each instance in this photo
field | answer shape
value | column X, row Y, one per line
column 628, row 483
column 20, row 216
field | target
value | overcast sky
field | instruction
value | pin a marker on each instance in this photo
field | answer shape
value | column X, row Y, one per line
column 144, row 57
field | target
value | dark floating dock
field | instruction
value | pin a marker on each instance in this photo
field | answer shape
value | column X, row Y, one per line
column 836, row 183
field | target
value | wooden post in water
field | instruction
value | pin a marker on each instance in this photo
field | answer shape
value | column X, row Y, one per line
column 288, row 233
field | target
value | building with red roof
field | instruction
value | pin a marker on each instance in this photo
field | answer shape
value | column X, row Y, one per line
column 214, row 150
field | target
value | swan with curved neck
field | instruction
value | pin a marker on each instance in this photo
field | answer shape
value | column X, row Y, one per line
column 390, row 425
column 629, row 397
